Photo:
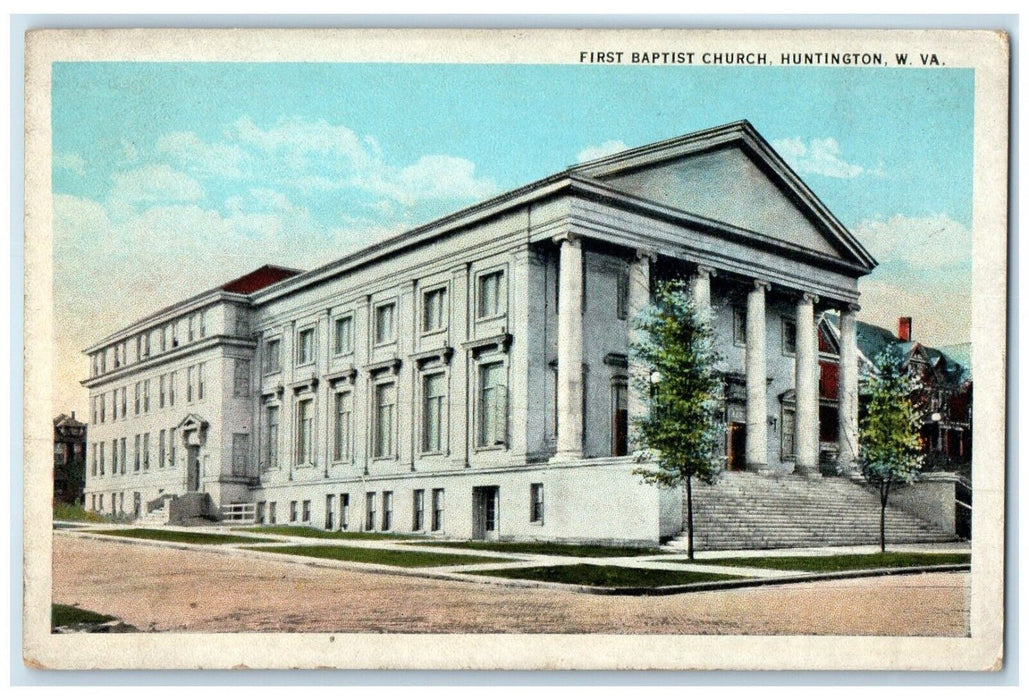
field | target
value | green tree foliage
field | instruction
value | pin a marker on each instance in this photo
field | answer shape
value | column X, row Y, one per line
column 681, row 433
column 890, row 443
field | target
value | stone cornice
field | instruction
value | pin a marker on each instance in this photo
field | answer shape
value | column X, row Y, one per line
column 159, row 359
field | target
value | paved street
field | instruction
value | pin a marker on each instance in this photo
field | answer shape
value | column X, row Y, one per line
column 168, row 589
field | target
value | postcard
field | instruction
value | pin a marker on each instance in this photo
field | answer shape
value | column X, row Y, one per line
column 515, row 349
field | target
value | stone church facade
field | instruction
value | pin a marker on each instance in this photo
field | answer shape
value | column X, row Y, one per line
column 471, row 377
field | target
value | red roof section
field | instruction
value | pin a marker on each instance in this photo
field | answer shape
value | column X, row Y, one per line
column 259, row 279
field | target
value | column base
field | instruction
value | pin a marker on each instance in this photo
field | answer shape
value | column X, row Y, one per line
column 812, row 473
column 757, row 467
column 569, row 456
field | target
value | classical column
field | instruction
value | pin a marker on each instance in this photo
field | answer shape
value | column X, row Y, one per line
column 757, row 382
column 639, row 298
column 805, row 442
column 458, row 333
column 569, row 349
column 701, row 285
column 848, row 391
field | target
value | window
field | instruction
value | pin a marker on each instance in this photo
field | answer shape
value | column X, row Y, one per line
column 124, row 402
column 241, row 379
column 418, row 522
column 789, row 337
column 162, row 393
column 114, row 405
column 786, row 434
column 146, row 396
column 191, row 328
column 271, row 438
column 171, row 447
column 137, row 503
column 103, row 362
column 292, row 511
column 434, row 311
column 492, row 419
column 174, row 334
column 171, row 389
column 103, row 407
column 384, row 324
column 101, row 503
column 387, row 510
column 433, row 393
column 92, row 469
column 330, row 504
column 190, row 379
column 622, row 294
column 114, row 456
column 739, row 326
column 271, row 513
column 343, row 341
column 135, row 455
column 262, row 507
column 341, row 434
column 305, row 431
column 240, row 451
column 490, row 294
column 536, row 503
column 146, row 451
column 161, row 454
column 138, row 394
column 124, row 456
column 344, row 511
column 242, row 324
column 203, row 324
column 305, row 346
column 619, row 418
column 306, row 512
column 437, row 510
column 102, row 446
column 96, row 410
column 273, row 356
column 200, row 381
column 385, row 404
column 369, row 511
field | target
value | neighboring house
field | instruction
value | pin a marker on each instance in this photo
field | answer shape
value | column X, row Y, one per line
column 69, row 459
column 944, row 395
column 471, row 377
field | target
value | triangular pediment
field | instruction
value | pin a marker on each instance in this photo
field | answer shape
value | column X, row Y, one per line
column 192, row 422
column 730, row 175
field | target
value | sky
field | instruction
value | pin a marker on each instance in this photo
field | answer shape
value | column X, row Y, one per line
column 170, row 179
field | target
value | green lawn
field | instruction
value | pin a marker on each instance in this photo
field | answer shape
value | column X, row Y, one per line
column 67, row 615
column 554, row 548
column 66, row 511
column 180, row 536
column 608, row 576
column 842, row 562
column 315, row 533
column 389, row 557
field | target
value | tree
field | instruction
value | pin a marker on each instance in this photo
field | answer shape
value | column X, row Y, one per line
column 681, row 432
column 890, row 443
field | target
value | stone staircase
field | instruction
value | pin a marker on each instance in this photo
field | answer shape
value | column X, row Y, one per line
column 158, row 516
column 752, row 511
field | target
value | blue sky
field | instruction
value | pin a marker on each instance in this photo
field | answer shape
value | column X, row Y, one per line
column 172, row 178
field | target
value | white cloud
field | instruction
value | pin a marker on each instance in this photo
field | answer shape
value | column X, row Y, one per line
column 605, row 149
column 191, row 153
column 71, row 162
column 927, row 242
column 154, row 184
column 818, row 157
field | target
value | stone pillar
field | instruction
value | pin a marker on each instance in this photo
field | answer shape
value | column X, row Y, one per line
column 569, row 350
column 848, row 391
column 701, row 285
column 805, row 441
column 458, row 334
column 757, row 382
column 639, row 298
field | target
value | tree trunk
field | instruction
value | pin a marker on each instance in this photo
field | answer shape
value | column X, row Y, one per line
column 884, row 495
column 689, row 517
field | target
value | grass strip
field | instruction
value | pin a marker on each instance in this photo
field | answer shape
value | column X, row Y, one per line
column 67, row 615
column 315, row 533
column 389, row 557
column 552, row 548
column 75, row 513
column 841, row 562
column 608, row 576
column 179, row 536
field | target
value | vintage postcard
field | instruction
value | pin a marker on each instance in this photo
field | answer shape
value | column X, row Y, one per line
column 515, row 349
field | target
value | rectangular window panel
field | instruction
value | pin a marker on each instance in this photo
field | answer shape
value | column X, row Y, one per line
column 146, row 396
column 271, row 439
column 171, row 389
column 240, row 452
column 433, row 395
column 387, row 510
column 305, row 346
column 739, row 326
column 789, row 337
column 434, row 310
column 146, row 451
column 200, row 381
column 418, row 508
column 344, row 511
column 306, row 512
column 139, row 390
column 272, row 356
column 271, row 513
column 161, row 454
column 385, row 410
column 369, row 511
column 171, row 447
column 384, row 323
column 341, row 436
column 437, row 509
column 536, row 503
column 241, row 379
column 114, row 456
column 292, row 511
column 163, row 392
column 305, row 431
column 492, row 418
column 619, row 419
column 190, row 380
column 786, row 435
column 343, row 335
column 136, row 455
column 490, row 294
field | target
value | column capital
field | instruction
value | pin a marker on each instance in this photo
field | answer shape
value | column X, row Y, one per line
column 706, row 271
column 646, row 254
column 566, row 237
column 763, row 285
column 808, row 298
column 850, row 308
